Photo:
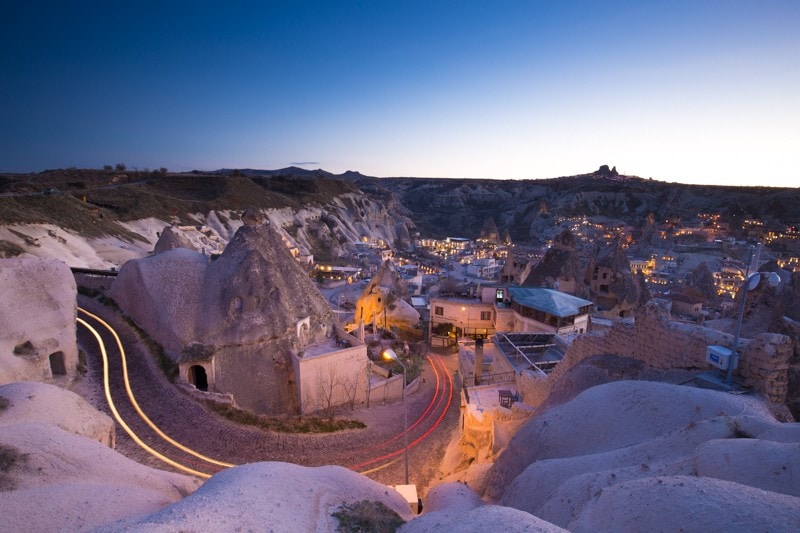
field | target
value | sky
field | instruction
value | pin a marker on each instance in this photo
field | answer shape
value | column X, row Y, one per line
column 685, row 91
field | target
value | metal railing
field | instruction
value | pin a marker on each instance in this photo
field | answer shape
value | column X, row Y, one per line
column 488, row 379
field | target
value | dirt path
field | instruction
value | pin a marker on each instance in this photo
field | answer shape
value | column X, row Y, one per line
column 191, row 424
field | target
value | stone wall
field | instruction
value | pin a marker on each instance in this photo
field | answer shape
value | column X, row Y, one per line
column 663, row 344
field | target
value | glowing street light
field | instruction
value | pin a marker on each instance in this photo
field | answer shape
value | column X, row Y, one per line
column 390, row 354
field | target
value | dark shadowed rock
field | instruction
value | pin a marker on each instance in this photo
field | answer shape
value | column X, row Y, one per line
column 611, row 283
column 560, row 268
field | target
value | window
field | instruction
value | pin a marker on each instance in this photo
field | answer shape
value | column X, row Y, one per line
column 438, row 311
column 486, row 315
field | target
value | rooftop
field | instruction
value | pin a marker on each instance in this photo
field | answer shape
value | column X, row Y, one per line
column 550, row 301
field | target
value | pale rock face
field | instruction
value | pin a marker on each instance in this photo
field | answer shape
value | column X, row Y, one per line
column 480, row 520
column 637, row 455
column 383, row 299
column 244, row 307
column 636, row 412
column 32, row 402
column 37, row 320
column 452, row 497
column 65, row 482
column 172, row 238
column 162, row 294
column 274, row 496
column 690, row 503
column 256, row 291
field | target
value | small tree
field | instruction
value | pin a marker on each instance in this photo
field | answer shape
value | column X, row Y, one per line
column 121, row 167
column 108, row 167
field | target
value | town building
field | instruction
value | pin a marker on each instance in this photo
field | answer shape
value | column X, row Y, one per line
column 507, row 309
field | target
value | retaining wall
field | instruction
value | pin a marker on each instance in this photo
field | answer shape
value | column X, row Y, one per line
column 658, row 342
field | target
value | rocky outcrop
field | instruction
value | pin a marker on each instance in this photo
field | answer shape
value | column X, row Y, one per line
column 250, row 309
column 702, row 280
column 31, row 402
column 560, row 268
column 489, row 231
column 55, row 474
column 37, row 320
column 280, row 496
column 384, row 301
column 642, row 435
column 613, row 287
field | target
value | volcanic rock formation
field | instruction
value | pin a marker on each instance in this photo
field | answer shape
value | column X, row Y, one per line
column 560, row 268
column 250, row 309
column 612, row 285
column 37, row 320
column 383, row 301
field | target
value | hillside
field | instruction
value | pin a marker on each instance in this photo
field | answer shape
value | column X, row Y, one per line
column 455, row 207
column 62, row 213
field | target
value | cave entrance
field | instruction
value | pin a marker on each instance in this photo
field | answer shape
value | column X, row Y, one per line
column 198, row 378
column 57, row 365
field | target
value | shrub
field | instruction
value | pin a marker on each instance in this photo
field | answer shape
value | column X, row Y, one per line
column 284, row 424
column 367, row 516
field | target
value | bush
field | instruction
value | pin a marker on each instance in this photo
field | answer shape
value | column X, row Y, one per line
column 283, row 424
column 367, row 517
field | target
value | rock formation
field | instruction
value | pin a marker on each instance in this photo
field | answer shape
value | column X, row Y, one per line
column 384, row 301
column 275, row 496
column 33, row 402
column 250, row 309
column 702, row 279
column 37, row 320
column 55, row 474
column 612, row 285
column 640, row 436
column 489, row 231
column 560, row 268
column 172, row 237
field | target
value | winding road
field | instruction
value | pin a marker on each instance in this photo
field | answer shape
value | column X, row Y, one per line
column 158, row 424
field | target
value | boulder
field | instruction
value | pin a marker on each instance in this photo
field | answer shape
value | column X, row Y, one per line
column 37, row 320
column 32, row 402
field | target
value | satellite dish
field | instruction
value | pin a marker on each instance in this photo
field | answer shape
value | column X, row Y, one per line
column 753, row 280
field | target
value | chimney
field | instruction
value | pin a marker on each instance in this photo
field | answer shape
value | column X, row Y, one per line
column 478, row 360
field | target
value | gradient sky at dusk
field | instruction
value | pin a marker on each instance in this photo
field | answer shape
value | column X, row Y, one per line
column 689, row 91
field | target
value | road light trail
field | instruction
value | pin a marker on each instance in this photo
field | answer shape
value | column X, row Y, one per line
column 418, row 420
column 129, row 391
column 194, row 467
column 119, row 419
column 448, row 387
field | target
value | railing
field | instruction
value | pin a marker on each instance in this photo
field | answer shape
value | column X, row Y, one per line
column 489, row 379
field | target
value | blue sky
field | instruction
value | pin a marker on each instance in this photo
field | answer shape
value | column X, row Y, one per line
column 695, row 92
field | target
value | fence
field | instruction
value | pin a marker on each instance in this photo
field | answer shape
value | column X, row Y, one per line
column 489, row 379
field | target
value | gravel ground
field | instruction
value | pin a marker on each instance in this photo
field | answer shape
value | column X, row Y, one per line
column 191, row 424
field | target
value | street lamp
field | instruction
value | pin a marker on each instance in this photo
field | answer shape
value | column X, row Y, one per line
column 750, row 282
column 390, row 354
column 339, row 305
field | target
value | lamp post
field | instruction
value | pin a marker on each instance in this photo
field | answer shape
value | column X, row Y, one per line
column 390, row 354
column 339, row 305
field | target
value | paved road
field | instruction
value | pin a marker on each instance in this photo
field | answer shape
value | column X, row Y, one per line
column 435, row 406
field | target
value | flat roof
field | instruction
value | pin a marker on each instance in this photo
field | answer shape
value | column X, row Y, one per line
column 550, row 301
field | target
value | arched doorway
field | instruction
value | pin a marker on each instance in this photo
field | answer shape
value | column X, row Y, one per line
column 57, row 365
column 198, row 378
